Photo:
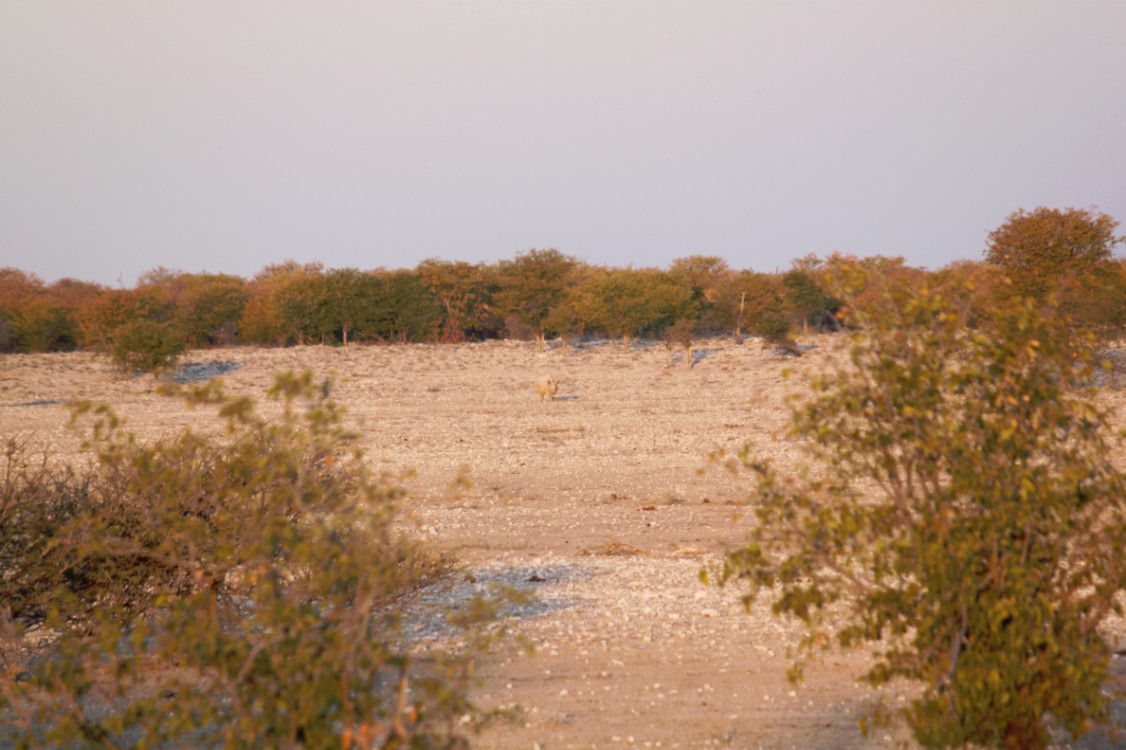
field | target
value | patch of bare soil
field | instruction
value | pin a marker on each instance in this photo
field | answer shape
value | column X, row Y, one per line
column 602, row 503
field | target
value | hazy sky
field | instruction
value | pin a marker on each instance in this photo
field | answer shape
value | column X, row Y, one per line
column 223, row 135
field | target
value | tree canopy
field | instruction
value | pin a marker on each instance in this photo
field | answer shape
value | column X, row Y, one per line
column 532, row 285
column 1039, row 249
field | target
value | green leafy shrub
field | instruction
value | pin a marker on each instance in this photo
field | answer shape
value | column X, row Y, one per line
column 147, row 346
column 239, row 592
column 961, row 511
column 774, row 329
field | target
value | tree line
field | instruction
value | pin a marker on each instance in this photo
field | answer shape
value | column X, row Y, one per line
column 959, row 506
column 1067, row 253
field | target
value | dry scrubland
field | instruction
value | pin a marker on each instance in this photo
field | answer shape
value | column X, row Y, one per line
column 602, row 503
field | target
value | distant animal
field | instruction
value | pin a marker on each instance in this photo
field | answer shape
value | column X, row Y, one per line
column 547, row 387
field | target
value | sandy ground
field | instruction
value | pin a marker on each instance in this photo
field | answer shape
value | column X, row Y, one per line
column 603, row 503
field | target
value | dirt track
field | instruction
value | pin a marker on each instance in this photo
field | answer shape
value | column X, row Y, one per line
column 603, row 503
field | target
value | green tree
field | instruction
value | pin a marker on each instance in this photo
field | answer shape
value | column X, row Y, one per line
column 149, row 346
column 348, row 293
column 281, row 304
column 629, row 302
column 409, row 312
column 41, row 324
column 531, row 286
column 807, row 300
column 704, row 278
column 465, row 292
column 302, row 301
column 668, row 302
column 210, row 308
column 961, row 510
column 567, row 317
column 1042, row 250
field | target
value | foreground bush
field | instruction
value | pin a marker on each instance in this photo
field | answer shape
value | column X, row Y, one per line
column 239, row 592
column 961, row 511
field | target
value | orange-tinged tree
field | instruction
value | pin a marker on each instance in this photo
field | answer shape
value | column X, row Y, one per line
column 71, row 293
column 16, row 286
column 873, row 285
column 34, row 317
column 1103, row 308
column 745, row 299
column 68, row 296
column 99, row 317
column 17, row 290
column 973, row 287
column 1043, row 249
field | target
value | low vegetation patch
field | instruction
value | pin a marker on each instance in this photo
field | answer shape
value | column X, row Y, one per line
column 240, row 592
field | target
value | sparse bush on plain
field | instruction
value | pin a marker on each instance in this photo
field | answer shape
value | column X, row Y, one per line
column 241, row 591
column 960, row 511
column 147, row 346
column 681, row 334
column 775, row 332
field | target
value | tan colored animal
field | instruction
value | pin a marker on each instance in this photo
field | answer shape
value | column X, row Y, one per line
column 547, row 387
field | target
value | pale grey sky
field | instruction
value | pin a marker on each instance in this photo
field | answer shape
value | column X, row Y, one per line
column 223, row 135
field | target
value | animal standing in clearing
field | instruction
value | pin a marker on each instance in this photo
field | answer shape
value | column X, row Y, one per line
column 546, row 386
